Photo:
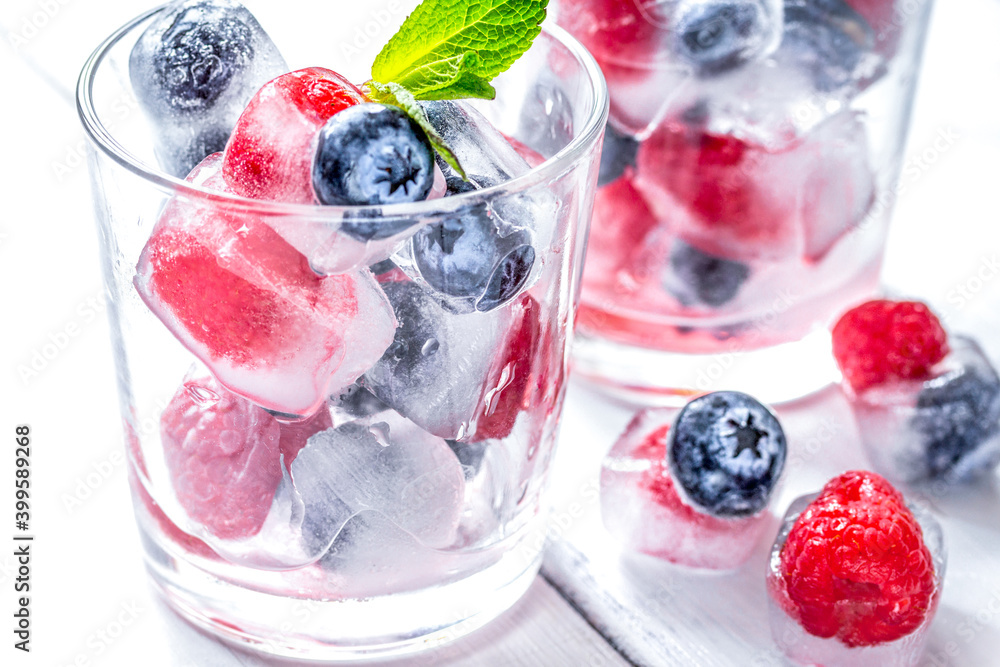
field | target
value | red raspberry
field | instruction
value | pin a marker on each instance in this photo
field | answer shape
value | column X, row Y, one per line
column 885, row 340
column 269, row 154
column 855, row 566
column 223, row 457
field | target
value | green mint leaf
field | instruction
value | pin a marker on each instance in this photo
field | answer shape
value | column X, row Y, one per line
column 398, row 96
column 458, row 46
column 450, row 79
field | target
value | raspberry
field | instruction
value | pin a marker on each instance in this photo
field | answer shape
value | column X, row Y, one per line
column 855, row 566
column 223, row 458
column 885, row 340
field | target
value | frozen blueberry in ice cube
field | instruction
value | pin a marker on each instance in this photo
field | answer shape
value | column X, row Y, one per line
column 193, row 70
column 208, row 43
column 439, row 364
column 618, row 152
column 715, row 36
column 474, row 254
column 372, row 154
column 726, row 451
column 696, row 277
column 958, row 416
column 828, row 38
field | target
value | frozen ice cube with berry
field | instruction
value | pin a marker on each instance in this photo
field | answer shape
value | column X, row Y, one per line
column 855, row 575
column 692, row 486
column 927, row 403
column 193, row 70
column 248, row 305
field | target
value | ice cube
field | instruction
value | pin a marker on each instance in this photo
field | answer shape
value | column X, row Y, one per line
column 372, row 556
column 193, row 70
column 839, row 185
column 441, row 367
column 642, row 508
column 730, row 198
column 389, row 466
column 247, row 304
column 715, row 36
column 826, row 58
column 830, row 41
column 503, row 236
column 656, row 54
column 223, row 457
column 487, row 157
column 943, row 429
column 474, row 259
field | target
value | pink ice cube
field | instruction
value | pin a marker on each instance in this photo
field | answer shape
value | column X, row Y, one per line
column 248, row 305
column 641, row 507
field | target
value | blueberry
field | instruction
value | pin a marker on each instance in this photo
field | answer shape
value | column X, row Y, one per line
column 371, row 154
column 474, row 255
column 714, row 36
column 827, row 38
column 619, row 152
column 958, row 416
column 726, row 452
column 188, row 66
column 695, row 277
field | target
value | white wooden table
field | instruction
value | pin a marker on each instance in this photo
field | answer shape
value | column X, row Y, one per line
column 593, row 606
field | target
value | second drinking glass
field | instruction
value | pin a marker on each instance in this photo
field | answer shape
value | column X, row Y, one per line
column 749, row 171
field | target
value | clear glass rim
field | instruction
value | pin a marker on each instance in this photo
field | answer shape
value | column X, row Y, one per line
column 102, row 138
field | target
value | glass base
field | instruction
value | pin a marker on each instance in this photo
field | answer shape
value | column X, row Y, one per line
column 776, row 374
column 343, row 629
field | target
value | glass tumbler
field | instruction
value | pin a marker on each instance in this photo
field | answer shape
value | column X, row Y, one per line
column 750, row 165
column 362, row 474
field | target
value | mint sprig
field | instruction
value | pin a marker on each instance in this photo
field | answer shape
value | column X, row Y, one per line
column 452, row 49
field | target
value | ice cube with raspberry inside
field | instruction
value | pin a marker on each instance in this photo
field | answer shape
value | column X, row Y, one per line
column 855, row 575
column 726, row 196
column 222, row 454
column 882, row 340
column 692, row 486
column 193, row 70
column 250, row 308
